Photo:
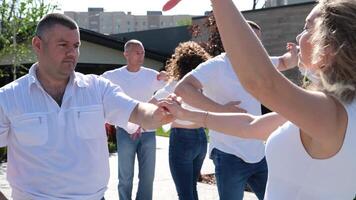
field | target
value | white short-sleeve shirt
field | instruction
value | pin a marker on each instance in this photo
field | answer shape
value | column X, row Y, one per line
column 60, row 152
column 221, row 84
column 139, row 85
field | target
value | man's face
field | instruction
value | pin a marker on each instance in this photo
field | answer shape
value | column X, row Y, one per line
column 59, row 51
column 135, row 55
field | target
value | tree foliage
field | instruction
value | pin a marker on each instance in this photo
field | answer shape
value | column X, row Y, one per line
column 214, row 44
column 18, row 19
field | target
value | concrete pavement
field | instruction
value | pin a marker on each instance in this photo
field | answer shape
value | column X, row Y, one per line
column 163, row 189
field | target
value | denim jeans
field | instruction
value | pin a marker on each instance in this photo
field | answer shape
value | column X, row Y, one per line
column 232, row 175
column 187, row 150
column 145, row 148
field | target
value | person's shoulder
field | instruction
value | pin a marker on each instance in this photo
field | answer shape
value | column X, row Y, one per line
column 114, row 71
column 16, row 84
column 222, row 56
column 219, row 59
column 149, row 70
column 212, row 64
column 87, row 79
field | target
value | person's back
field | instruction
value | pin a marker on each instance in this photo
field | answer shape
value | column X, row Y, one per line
column 234, row 158
column 222, row 85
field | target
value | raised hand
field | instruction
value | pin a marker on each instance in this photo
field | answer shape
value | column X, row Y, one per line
column 162, row 76
column 290, row 59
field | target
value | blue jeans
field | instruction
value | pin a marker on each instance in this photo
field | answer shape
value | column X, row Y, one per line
column 145, row 148
column 187, row 150
column 232, row 175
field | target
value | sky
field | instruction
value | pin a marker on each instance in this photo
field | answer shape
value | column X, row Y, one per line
column 139, row 7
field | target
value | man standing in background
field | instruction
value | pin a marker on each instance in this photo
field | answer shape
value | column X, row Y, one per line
column 140, row 83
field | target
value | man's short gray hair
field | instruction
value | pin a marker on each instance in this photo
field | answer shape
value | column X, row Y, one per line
column 129, row 43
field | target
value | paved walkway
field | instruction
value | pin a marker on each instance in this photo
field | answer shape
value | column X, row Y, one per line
column 163, row 189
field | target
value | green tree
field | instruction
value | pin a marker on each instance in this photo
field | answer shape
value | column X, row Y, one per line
column 184, row 22
column 18, row 19
column 213, row 45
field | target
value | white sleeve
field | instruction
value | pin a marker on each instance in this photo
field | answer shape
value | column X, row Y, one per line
column 4, row 128
column 117, row 105
column 206, row 71
column 165, row 91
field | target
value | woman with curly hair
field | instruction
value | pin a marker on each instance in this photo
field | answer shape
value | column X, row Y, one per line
column 187, row 141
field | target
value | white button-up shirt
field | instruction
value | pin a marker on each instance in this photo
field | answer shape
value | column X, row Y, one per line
column 60, row 152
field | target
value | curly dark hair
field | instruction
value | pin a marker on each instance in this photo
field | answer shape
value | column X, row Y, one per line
column 187, row 56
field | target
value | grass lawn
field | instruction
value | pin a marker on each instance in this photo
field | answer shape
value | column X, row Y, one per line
column 160, row 132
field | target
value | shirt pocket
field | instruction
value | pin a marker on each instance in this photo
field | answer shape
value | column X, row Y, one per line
column 30, row 129
column 90, row 122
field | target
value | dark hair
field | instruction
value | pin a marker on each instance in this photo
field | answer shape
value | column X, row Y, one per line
column 253, row 25
column 187, row 56
column 49, row 20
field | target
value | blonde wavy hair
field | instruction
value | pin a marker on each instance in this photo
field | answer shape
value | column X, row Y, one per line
column 334, row 40
column 187, row 56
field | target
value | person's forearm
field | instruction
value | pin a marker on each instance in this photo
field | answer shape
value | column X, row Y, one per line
column 241, row 125
column 195, row 98
column 262, row 126
column 143, row 116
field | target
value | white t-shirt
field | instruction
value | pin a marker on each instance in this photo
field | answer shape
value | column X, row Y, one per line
column 294, row 174
column 222, row 86
column 60, row 152
column 139, row 85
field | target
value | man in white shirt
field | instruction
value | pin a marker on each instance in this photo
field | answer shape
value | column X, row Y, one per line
column 139, row 83
column 237, row 161
column 52, row 120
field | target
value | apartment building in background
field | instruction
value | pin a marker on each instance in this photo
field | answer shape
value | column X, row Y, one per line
column 120, row 22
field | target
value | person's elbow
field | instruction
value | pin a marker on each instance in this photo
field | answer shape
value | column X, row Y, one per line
column 182, row 89
column 186, row 86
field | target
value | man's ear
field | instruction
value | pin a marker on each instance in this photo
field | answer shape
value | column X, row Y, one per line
column 125, row 54
column 36, row 44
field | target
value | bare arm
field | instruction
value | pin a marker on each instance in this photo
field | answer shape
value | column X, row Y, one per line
column 149, row 116
column 255, row 71
column 249, row 126
column 189, row 88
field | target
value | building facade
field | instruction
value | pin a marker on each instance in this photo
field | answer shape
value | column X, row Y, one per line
column 273, row 3
column 119, row 22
